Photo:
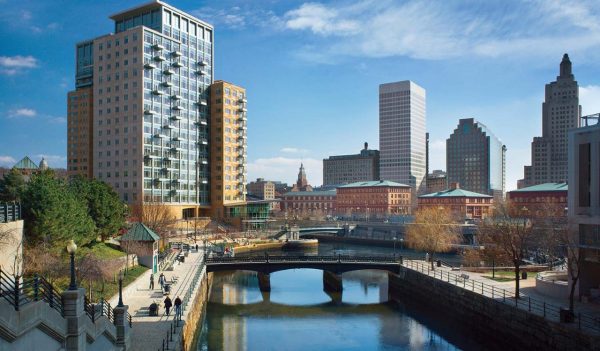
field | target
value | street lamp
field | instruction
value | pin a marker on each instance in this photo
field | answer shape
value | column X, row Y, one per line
column 401, row 244
column 395, row 238
column 71, row 249
column 120, row 304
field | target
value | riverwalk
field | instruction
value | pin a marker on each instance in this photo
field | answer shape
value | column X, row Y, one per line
column 151, row 332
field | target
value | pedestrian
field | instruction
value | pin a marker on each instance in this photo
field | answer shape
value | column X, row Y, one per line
column 151, row 281
column 196, row 247
column 168, row 305
column 162, row 281
column 178, row 308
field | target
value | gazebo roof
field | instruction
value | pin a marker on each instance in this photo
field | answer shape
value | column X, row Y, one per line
column 139, row 232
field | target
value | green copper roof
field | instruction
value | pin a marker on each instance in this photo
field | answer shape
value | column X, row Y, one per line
column 311, row 193
column 454, row 193
column 374, row 183
column 544, row 187
column 139, row 232
column 26, row 163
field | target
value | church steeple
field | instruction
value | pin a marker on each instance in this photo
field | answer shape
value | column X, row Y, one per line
column 565, row 67
column 302, row 182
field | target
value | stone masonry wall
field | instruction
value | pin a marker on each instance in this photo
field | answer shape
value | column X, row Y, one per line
column 195, row 316
column 492, row 321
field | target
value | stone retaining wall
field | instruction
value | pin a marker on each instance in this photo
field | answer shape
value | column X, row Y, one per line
column 492, row 322
column 195, row 316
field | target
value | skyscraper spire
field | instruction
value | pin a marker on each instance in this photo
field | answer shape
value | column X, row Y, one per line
column 565, row 67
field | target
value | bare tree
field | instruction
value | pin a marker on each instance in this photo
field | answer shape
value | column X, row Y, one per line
column 156, row 216
column 510, row 233
column 434, row 231
column 41, row 260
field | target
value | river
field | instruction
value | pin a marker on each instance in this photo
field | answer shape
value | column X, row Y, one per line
column 298, row 315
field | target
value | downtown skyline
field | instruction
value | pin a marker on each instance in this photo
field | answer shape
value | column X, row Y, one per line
column 326, row 103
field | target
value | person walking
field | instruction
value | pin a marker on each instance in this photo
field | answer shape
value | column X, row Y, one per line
column 151, row 281
column 168, row 305
column 162, row 281
column 178, row 308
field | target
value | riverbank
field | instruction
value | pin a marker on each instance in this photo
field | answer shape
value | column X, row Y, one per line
column 258, row 247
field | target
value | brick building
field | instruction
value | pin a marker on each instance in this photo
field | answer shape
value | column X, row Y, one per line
column 542, row 200
column 304, row 203
column 462, row 203
column 373, row 199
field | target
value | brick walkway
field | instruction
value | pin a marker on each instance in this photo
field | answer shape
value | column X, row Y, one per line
column 148, row 332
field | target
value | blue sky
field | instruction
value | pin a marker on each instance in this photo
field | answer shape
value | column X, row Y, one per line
column 312, row 70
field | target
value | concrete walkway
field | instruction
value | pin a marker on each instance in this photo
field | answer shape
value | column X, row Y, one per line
column 148, row 332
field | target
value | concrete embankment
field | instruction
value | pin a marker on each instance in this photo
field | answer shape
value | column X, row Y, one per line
column 258, row 247
column 491, row 322
column 195, row 317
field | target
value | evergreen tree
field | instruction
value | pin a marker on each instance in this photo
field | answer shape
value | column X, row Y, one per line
column 12, row 186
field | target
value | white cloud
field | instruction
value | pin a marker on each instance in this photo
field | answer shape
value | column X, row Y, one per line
column 446, row 29
column 7, row 161
column 589, row 99
column 238, row 18
column 286, row 169
column 10, row 65
column 22, row 112
column 57, row 120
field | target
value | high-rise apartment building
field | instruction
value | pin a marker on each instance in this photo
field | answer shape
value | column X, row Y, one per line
column 149, row 89
column 345, row 169
column 560, row 112
column 228, row 146
column 402, row 145
column 475, row 158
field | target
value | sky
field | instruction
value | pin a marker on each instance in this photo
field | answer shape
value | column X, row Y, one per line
column 312, row 70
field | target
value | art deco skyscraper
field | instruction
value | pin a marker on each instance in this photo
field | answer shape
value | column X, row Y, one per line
column 402, row 140
column 149, row 82
column 560, row 112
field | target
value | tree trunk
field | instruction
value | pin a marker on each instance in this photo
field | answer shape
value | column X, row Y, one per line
column 517, row 281
column 572, row 294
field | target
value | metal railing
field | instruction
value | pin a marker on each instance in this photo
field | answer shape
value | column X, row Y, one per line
column 10, row 212
column 336, row 258
column 541, row 308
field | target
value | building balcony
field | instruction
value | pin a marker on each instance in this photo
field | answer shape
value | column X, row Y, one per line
column 176, row 148
column 158, row 47
column 202, row 103
column 203, row 161
column 204, row 181
column 202, row 63
column 159, row 58
column 202, row 142
column 177, row 64
column 168, row 126
column 160, row 136
column 201, row 123
column 177, row 138
column 149, row 65
column 177, row 108
column 167, row 84
column 157, row 92
column 242, row 100
column 201, row 72
column 176, row 118
column 176, row 53
column 168, row 71
column 176, row 97
column 242, row 117
column 151, row 157
column 149, row 112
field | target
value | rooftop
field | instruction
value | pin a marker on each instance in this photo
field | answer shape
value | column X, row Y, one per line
column 373, row 183
column 311, row 193
column 455, row 193
column 26, row 163
column 139, row 232
column 543, row 188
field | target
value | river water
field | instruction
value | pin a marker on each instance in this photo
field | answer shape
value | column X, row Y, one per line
column 298, row 315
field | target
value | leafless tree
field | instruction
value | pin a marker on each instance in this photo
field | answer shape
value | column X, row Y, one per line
column 41, row 260
column 156, row 216
column 434, row 231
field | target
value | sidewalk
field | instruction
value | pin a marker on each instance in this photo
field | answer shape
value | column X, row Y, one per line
column 148, row 332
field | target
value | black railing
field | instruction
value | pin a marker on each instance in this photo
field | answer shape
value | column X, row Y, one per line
column 524, row 302
column 281, row 259
column 10, row 212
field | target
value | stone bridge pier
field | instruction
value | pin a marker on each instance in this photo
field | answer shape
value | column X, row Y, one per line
column 332, row 282
column 264, row 282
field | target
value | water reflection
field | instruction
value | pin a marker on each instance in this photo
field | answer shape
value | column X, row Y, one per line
column 298, row 315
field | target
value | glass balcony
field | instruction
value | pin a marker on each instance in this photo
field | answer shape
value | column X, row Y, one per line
column 168, row 126
column 157, row 92
column 177, row 108
column 149, row 65
column 167, row 84
column 202, row 63
column 159, row 58
column 176, row 53
column 201, row 72
column 176, row 97
column 242, row 100
column 160, row 136
column 177, row 64
column 243, row 109
column 168, row 71
column 202, row 103
column 176, row 118
column 201, row 123
column 158, row 47
column 149, row 112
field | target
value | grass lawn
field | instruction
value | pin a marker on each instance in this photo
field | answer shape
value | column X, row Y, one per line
column 101, row 250
column 501, row 276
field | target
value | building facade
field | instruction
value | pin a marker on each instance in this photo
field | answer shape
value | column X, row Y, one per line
column 463, row 204
column 475, row 158
column 302, row 182
column 309, row 203
column 560, row 112
column 228, row 140
column 80, row 138
column 402, row 139
column 150, row 83
column 262, row 189
column 346, row 169
column 437, row 181
column 539, row 201
column 584, row 205
column 374, row 199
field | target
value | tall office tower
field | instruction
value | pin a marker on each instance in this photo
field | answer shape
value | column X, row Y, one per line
column 150, row 83
column 80, row 110
column 560, row 112
column 402, row 149
column 228, row 146
column 345, row 169
column 475, row 159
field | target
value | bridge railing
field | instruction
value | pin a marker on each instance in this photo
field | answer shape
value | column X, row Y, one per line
column 288, row 258
column 541, row 308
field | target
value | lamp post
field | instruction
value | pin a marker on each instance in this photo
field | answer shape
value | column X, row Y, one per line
column 395, row 238
column 71, row 249
column 401, row 244
column 120, row 304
